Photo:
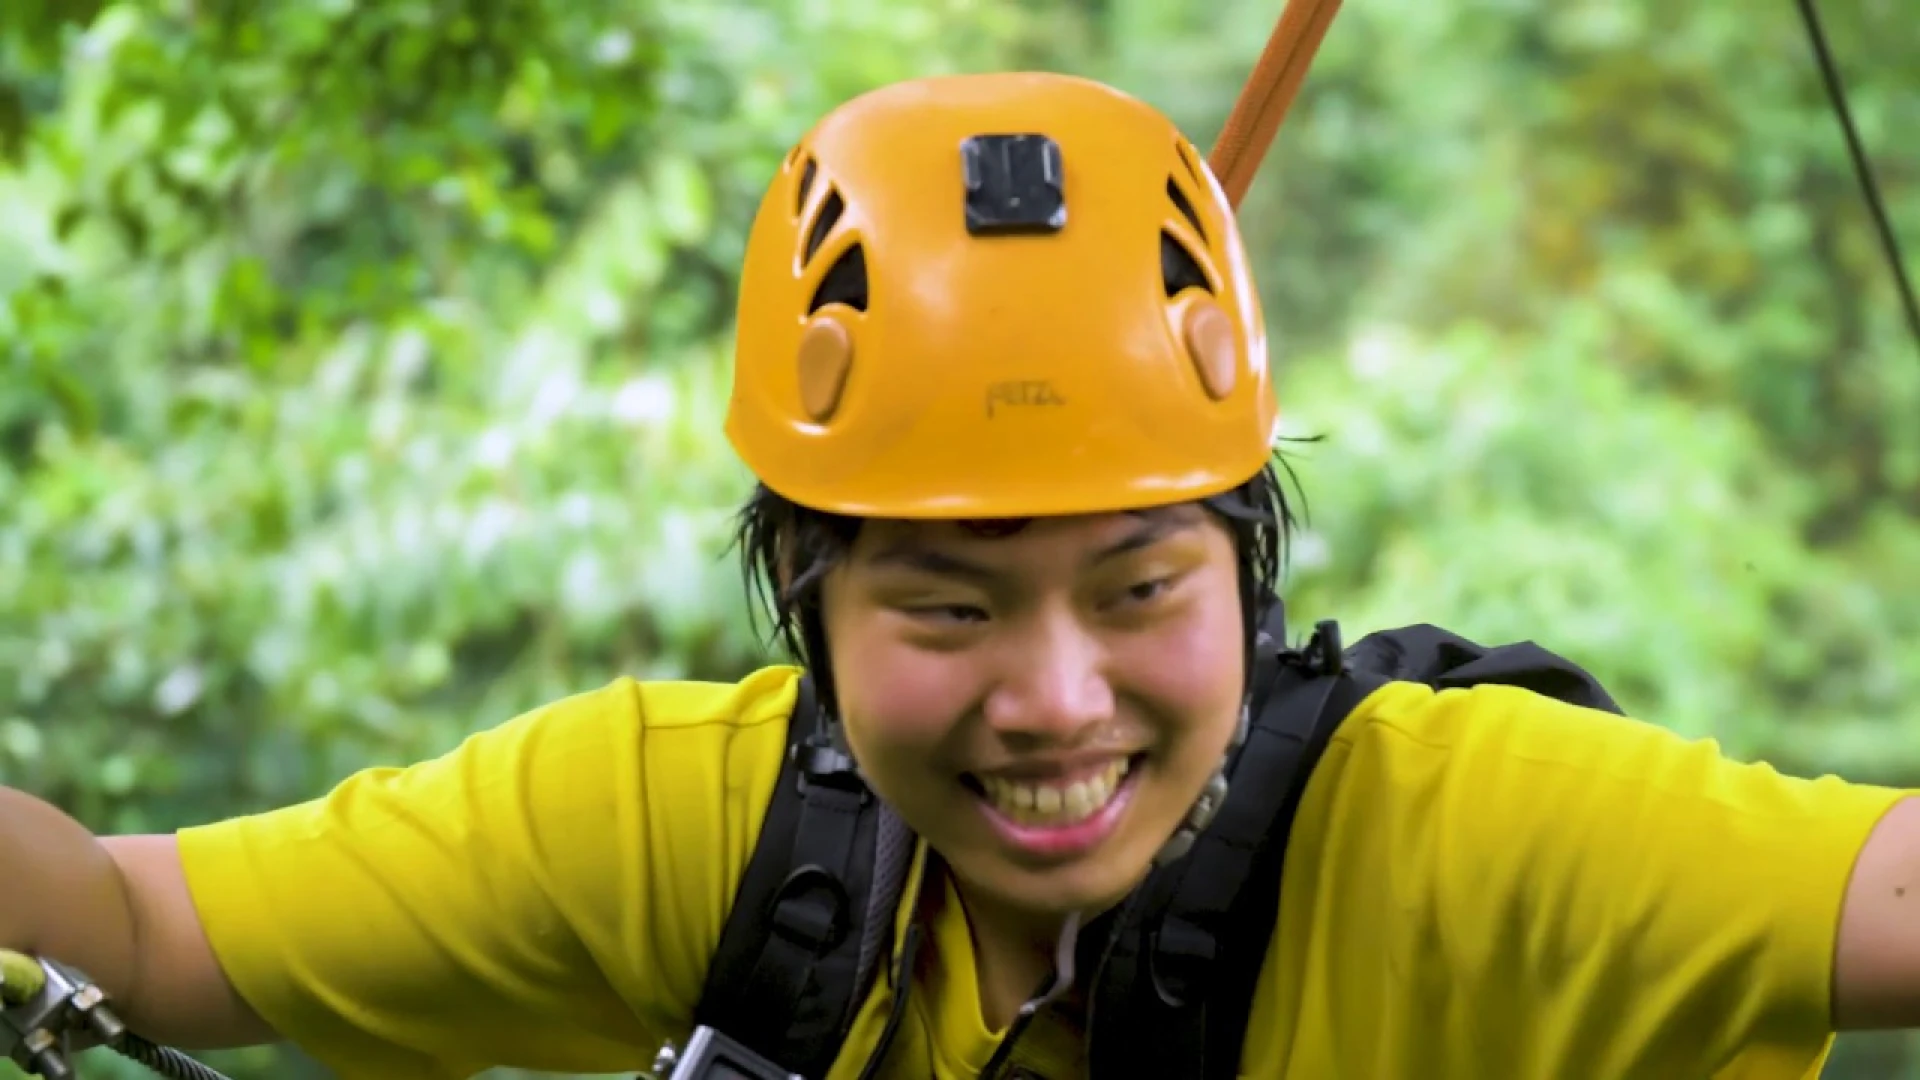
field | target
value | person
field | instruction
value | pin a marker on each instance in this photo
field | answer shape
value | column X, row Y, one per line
column 1001, row 374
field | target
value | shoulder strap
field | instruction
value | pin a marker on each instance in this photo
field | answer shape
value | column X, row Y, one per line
column 810, row 923
column 1427, row 654
column 1184, row 954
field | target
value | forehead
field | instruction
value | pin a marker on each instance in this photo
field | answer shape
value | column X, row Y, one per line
column 1011, row 540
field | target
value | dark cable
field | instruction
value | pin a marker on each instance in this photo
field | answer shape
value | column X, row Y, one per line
column 165, row 1060
column 1862, row 168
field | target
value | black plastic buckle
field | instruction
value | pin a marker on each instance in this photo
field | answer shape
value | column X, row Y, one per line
column 822, row 764
column 1325, row 651
column 812, row 910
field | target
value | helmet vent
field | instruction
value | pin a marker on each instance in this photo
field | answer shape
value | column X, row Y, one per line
column 805, row 187
column 823, row 225
column 1179, row 270
column 1185, row 206
column 1184, row 150
column 845, row 282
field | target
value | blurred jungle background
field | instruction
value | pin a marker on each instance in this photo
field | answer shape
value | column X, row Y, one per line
column 362, row 365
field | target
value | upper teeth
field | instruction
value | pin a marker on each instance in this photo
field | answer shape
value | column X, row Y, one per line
column 1054, row 803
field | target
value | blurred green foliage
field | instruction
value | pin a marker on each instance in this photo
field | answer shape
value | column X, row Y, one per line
column 363, row 363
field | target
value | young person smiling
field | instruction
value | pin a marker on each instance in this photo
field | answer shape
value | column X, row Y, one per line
column 1048, row 792
column 1001, row 373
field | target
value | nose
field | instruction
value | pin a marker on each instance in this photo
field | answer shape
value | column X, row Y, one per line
column 1054, row 686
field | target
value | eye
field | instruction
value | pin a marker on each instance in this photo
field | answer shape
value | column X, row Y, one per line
column 949, row 613
column 1145, row 592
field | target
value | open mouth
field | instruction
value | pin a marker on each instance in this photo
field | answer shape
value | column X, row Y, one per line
column 1054, row 803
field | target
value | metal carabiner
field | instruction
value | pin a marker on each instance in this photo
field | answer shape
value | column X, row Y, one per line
column 50, row 1012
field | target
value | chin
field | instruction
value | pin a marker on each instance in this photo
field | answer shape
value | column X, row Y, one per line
column 1088, row 886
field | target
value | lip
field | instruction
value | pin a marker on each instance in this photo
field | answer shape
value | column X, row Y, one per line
column 1058, row 843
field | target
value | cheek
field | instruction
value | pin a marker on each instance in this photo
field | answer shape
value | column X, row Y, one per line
column 1196, row 669
column 893, row 697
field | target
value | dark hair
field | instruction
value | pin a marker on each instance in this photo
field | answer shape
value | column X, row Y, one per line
column 781, row 541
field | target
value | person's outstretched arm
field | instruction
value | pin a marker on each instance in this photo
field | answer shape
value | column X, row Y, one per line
column 118, row 909
column 1876, row 970
column 548, row 895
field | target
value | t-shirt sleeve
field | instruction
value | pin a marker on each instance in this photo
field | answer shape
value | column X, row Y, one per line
column 1637, row 903
column 548, row 895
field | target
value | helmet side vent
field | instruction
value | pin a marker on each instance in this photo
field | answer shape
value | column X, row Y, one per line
column 805, row 187
column 1189, row 157
column 830, row 210
column 1185, row 206
column 1179, row 270
column 845, row 282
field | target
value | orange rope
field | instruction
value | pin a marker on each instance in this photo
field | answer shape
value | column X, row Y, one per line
column 1269, row 92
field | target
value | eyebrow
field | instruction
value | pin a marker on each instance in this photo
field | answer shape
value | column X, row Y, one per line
column 912, row 555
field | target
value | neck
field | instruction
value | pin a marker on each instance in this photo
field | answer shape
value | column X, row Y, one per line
column 1013, row 954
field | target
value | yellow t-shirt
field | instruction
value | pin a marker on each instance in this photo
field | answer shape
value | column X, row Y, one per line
column 1481, row 883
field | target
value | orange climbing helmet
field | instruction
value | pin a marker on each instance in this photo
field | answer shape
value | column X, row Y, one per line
column 1005, row 295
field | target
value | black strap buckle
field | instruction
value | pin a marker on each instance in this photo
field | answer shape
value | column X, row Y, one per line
column 812, row 910
column 1325, row 652
column 824, row 765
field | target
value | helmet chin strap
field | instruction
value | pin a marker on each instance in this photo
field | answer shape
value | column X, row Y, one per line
column 1253, row 605
column 1211, row 797
column 837, row 735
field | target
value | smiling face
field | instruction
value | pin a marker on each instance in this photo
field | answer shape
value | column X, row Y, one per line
column 1043, row 705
